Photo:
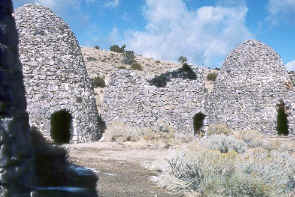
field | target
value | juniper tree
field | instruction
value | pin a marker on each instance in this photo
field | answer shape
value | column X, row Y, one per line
column 282, row 121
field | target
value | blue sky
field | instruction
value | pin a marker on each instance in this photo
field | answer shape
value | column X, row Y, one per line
column 204, row 31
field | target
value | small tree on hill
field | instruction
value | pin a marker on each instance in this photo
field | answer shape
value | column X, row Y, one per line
column 182, row 59
column 116, row 48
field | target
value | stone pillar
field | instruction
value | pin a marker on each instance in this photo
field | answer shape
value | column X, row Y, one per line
column 16, row 166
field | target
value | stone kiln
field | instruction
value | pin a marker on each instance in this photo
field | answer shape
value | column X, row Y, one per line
column 167, row 101
column 249, row 86
column 16, row 155
column 57, row 84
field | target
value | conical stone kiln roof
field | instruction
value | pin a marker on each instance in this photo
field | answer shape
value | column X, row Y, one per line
column 250, row 84
column 55, row 75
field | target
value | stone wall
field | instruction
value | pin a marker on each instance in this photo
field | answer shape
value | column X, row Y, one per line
column 55, row 76
column 245, row 95
column 250, row 84
column 292, row 76
column 167, row 100
column 16, row 155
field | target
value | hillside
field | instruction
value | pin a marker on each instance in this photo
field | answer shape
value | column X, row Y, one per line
column 176, row 96
column 102, row 63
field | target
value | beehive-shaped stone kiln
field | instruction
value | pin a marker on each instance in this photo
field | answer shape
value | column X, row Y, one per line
column 59, row 92
column 251, row 84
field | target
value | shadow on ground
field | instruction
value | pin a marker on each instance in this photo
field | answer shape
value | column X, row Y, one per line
column 56, row 175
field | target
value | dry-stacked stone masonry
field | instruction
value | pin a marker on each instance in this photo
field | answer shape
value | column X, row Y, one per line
column 167, row 100
column 249, row 86
column 292, row 76
column 55, row 77
column 16, row 155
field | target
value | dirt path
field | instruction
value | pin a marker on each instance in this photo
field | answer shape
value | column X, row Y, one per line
column 119, row 167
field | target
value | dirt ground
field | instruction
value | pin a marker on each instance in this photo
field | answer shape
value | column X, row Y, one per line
column 120, row 168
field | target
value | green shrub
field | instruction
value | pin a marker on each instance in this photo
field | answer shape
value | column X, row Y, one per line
column 159, row 81
column 195, row 171
column 189, row 71
column 255, row 173
column 136, row 66
column 274, row 168
column 252, row 138
column 129, row 57
column 122, row 67
column 187, row 68
column 117, row 49
column 186, row 171
column 282, row 121
column 98, row 82
column 60, row 126
column 245, row 185
column 212, row 76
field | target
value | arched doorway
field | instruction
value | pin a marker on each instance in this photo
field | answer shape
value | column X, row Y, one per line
column 282, row 120
column 198, row 121
column 61, row 126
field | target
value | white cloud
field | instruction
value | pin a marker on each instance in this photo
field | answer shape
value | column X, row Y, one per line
column 291, row 65
column 279, row 9
column 204, row 36
column 112, row 3
column 55, row 4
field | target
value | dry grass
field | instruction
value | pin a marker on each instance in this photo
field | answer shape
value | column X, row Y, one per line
column 121, row 132
column 217, row 129
column 223, row 163
column 251, row 137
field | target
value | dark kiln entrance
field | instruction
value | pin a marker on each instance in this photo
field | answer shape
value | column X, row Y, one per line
column 61, row 126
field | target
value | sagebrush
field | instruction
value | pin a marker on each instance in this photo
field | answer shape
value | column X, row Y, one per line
column 98, row 82
column 225, row 166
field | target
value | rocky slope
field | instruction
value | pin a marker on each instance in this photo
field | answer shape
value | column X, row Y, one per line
column 102, row 62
